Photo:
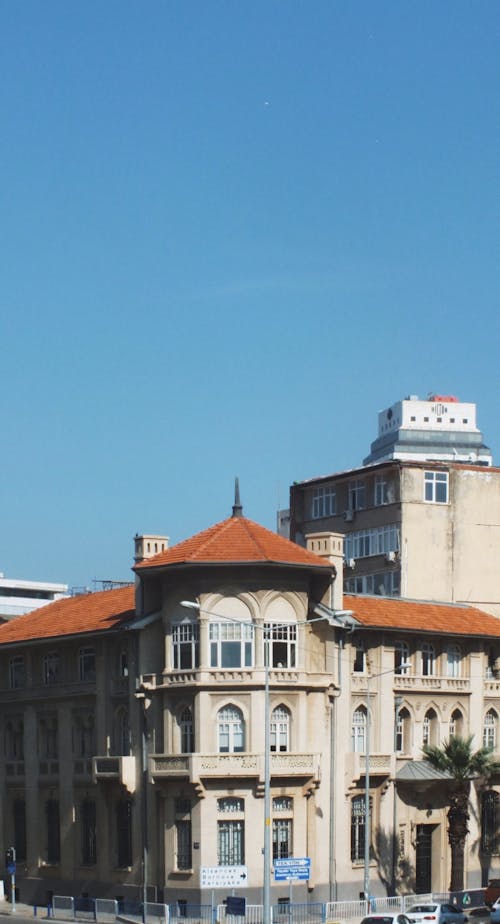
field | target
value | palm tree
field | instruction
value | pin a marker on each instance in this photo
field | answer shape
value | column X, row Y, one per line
column 461, row 764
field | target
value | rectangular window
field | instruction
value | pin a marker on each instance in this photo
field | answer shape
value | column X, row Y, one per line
column 231, row 843
column 51, row 668
column 231, row 644
column 436, row 487
column 87, row 664
column 381, row 491
column 358, row 827
column 53, row 831
column 282, row 838
column 490, row 821
column 324, row 502
column 185, row 643
column 385, row 584
column 377, row 541
column 88, row 833
column 356, row 494
column 282, row 641
column 183, row 846
column 124, row 833
column 17, row 673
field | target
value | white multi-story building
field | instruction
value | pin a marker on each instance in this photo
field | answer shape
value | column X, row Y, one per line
column 19, row 597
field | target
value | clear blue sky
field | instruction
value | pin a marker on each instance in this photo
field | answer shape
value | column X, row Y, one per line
column 231, row 233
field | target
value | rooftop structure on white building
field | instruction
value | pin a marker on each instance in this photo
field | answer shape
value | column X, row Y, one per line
column 19, row 597
column 439, row 428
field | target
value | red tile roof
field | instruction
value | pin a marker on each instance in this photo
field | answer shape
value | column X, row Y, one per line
column 421, row 616
column 71, row 616
column 235, row 540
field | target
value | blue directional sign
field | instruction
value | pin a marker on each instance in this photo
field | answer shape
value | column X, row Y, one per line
column 292, row 868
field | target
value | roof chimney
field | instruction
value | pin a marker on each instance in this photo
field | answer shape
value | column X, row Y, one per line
column 330, row 546
column 146, row 546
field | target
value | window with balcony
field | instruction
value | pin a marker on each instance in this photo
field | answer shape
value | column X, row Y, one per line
column 453, row 661
column 324, row 502
column 17, row 673
column 358, row 731
column 185, row 646
column 430, row 728
column 88, row 832
column 124, row 857
column 358, row 827
column 231, row 730
column 86, row 661
column 402, row 664
column 280, row 641
column 436, row 487
column 183, row 834
column 490, row 729
column 51, row 668
column 231, row 833
column 428, row 656
column 490, row 822
column 280, row 729
column 53, row 831
column 231, row 644
column 186, row 727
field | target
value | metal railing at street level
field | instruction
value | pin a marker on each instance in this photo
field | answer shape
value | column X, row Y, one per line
column 108, row 911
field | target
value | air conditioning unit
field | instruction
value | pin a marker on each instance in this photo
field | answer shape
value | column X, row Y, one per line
column 350, row 563
column 390, row 556
column 349, row 515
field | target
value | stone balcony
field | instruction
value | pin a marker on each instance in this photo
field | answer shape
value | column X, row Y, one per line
column 380, row 765
column 196, row 768
column 115, row 769
column 414, row 683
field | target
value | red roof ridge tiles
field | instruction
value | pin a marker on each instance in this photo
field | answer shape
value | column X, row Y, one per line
column 235, row 540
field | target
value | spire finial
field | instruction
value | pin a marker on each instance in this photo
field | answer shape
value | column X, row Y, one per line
column 237, row 508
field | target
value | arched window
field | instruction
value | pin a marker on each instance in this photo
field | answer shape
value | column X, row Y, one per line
column 490, row 821
column 453, row 661
column 401, row 658
column 429, row 734
column 187, row 730
column 490, row 729
column 403, row 731
column 428, row 660
column 456, row 726
column 280, row 729
column 231, row 730
column 359, row 730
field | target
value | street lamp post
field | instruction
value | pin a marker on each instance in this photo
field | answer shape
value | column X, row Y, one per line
column 366, row 878
column 398, row 700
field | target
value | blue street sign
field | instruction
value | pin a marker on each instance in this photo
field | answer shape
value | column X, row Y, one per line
column 11, row 869
column 292, row 868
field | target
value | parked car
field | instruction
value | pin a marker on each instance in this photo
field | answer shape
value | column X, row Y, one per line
column 438, row 912
column 492, row 892
column 391, row 917
column 495, row 912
